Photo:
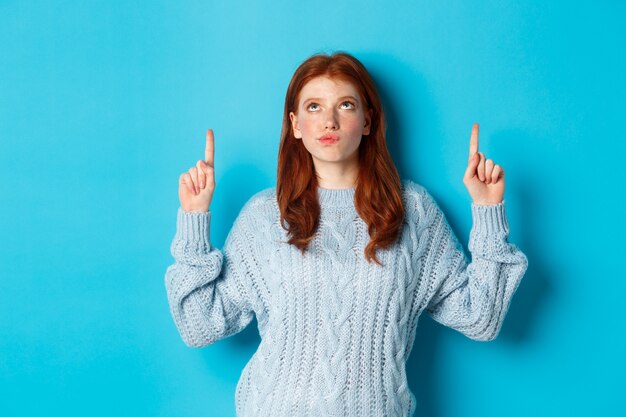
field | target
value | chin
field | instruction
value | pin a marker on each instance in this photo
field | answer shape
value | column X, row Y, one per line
column 338, row 159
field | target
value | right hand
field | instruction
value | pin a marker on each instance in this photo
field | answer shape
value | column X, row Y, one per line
column 196, row 186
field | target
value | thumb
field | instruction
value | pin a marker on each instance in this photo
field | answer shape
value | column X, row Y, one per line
column 471, row 166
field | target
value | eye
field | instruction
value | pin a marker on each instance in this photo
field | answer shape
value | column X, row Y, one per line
column 311, row 105
column 349, row 103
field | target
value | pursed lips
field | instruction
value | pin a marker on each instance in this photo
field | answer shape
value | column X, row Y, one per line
column 329, row 136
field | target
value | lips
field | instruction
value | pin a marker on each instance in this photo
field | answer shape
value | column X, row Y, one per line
column 329, row 138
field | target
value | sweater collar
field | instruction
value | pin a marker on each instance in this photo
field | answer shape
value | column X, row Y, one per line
column 336, row 198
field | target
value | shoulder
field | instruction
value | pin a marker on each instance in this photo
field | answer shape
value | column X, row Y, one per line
column 418, row 201
column 411, row 188
column 414, row 193
column 263, row 201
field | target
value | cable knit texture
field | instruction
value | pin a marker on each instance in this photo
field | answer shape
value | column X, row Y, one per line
column 336, row 331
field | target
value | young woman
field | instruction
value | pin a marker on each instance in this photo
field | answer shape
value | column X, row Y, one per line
column 338, row 261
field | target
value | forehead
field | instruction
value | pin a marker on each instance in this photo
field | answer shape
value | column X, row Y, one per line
column 324, row 86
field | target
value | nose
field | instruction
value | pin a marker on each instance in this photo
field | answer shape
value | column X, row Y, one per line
column 331, row 121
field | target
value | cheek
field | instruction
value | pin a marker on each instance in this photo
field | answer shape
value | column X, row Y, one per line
column 309, row 131
column 306, row 124
column 353, row 123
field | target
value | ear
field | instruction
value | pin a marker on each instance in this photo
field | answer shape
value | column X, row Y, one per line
column 295, row 126
column 368, row 122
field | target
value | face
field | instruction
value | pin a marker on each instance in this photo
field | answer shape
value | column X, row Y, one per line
column 330, row 106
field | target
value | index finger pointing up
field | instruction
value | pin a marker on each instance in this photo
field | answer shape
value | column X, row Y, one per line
column 474, row 140
column 208, row 151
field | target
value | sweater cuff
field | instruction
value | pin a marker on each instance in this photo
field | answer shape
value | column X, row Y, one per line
column 194, row 226
column 489, row 219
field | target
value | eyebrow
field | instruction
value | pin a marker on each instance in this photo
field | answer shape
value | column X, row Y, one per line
column 319, row 99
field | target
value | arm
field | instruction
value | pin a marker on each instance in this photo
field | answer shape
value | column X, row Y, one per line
column 473, row 298
column 208, row 290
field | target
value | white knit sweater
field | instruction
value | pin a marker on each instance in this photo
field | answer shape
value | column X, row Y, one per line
column 336, row 331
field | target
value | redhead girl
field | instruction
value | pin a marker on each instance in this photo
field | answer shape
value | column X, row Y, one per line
column 338, row 260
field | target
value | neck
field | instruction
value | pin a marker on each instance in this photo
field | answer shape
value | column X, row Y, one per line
column 334, row 176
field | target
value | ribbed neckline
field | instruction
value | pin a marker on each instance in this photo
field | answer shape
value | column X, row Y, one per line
column 343, row 197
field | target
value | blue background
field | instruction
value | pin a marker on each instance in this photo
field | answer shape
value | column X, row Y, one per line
column 103, row 105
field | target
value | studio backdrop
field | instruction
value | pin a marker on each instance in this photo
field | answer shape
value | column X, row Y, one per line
column 104, row 104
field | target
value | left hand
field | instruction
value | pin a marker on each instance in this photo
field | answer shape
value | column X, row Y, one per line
column 483, row 179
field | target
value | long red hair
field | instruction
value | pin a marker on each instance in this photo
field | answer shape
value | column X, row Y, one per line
column 378, row 198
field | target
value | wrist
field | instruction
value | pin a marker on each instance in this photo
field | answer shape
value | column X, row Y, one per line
column 195, row 209
column 487, row 202
column 489, row 219
column 193, row 227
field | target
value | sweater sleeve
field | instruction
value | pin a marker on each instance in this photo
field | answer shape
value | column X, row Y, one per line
column 473, row 297
column 209, row 290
